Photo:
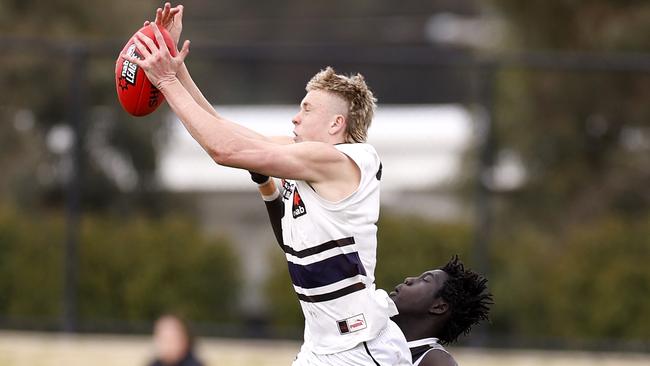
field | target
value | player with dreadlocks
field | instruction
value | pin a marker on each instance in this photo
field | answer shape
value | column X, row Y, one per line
column 437, row 307
column 434, row 308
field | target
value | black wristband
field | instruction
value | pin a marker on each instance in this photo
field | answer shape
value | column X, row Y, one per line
column 259, row 178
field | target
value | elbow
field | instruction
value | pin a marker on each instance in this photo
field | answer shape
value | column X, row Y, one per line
column 220, row 157
column 224, row 155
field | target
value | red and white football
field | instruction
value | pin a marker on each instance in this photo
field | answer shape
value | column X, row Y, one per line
column 135, row 92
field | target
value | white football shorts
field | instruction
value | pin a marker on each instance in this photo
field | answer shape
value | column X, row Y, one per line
column 389, row 348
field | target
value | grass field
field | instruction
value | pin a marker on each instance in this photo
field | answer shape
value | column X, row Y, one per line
column 40, row 349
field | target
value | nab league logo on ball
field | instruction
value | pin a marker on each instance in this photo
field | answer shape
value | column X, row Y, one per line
column 129, row 69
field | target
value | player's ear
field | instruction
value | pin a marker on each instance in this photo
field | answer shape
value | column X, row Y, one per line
column 338, row 124
column 438, row 307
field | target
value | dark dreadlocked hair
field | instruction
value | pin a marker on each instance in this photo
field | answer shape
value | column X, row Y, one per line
column 469, row 300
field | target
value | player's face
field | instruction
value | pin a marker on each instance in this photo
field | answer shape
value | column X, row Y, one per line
column 318, row 111
column 416, row 294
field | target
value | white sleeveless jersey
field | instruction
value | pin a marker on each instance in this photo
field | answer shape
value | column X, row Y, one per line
column 331, row 253
column 419, row 348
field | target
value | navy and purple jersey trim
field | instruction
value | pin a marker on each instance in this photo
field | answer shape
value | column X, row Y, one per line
column 327, row 271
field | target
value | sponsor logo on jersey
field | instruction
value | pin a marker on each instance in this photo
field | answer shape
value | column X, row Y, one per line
column 352, row 324
column 287, row 188
column 298, row 208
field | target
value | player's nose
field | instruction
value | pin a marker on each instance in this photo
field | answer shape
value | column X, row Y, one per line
column 296, row 119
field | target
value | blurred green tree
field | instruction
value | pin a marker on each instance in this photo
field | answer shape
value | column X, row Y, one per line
column 35, row 73
column 408, row 246
column 584, row 136
column 131, row 271
column 570, row 238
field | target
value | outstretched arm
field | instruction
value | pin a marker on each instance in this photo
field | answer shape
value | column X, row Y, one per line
column 171, row 18
column 230, row 144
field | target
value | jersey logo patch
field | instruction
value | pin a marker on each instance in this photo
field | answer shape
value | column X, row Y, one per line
column 298, row 208
column 287, row 188
column 352, row 324
column 378, row 175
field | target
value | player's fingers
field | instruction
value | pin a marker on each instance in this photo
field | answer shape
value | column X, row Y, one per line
column 184, row 51
column 159, row 39
column 143, row 50
column 159, row 17
column 179, row 16
column 133, row 59
column 172, row 15
column 151, row 46
column 146, row 23
column 165, row 12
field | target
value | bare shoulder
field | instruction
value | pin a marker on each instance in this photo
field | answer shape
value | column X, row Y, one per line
column 338, row 175
column 314, row 152
column 438, row 357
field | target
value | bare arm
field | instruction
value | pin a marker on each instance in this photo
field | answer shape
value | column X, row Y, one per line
column 236, row 146
column 186, row 79
column 171, row 18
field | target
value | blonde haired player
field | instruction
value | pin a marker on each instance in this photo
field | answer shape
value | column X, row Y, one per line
column 330, row 187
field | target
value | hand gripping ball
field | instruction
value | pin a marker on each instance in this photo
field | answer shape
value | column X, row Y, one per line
column 135, row 92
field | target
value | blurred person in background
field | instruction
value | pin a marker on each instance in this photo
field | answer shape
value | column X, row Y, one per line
column 173, row 343
column 330, row 184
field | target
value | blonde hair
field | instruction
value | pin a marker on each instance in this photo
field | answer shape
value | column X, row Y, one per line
column 353, row 89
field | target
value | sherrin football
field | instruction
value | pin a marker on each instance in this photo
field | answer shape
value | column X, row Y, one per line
column 135, row 92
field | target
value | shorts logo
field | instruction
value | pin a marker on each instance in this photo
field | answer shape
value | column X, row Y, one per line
column 298, row 208
column 129, row 69
column 352, row 324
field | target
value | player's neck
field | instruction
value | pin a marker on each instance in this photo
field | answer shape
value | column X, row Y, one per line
column 336, row 139
column 417, row 328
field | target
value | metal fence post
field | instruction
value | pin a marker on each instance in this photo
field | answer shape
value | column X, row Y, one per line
column 76, row 111
column 486, row 160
